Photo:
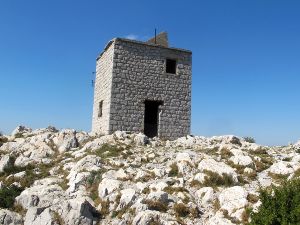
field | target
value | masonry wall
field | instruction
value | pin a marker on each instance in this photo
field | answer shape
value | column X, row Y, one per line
column 139, row 75
column 102, row 90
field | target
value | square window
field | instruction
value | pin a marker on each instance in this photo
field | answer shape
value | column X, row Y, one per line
column 100, row 109
column 171, row 66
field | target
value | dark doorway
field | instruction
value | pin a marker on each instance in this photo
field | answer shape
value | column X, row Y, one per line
column 151, row 119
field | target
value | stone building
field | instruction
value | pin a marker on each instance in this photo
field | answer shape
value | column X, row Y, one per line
column 143, row 87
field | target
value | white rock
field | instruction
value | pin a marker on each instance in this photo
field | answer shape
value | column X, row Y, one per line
column 8, row 217
column 218, row 219
column 127, row 196
column 113, row 174
column 66, row 140
column 88, row 163
column 20, row 174
column 77, row 181
column 282, row 168
column 141, row 139
column 205, row 195
column 21, row 130
column 241, row 160
column 79, row 211
column 38, row 216
column 4, row 162
column 217, row 167
column 159, row 196
column 107, row 186
column 98, row 142
column 160, row 186
column 38, row 152
column 200, row 177
column 183, row 156
column 233, row 199
column 41, row 194
column 248, row 170
column 146, row 217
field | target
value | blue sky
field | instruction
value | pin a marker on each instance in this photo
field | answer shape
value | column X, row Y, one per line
column 246, row 54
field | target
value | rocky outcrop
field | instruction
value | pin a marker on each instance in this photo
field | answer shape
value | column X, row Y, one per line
column 71, row 177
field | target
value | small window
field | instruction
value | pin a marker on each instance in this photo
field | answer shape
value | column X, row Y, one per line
column 100, row 109
column 171, row 66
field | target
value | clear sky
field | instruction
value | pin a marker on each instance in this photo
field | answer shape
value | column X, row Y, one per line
column 246, row 61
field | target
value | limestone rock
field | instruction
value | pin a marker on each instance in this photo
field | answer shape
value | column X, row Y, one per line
column 233, row 199
column 21, row 130
column 127, row 196
column 107, row 186
column 282, row 168
column 159, row 196
column 39, row 216
column 66, row 140
column 8, row 217
column 4, row 162
column 217, row 167
column 205, row 195
column 141, row 139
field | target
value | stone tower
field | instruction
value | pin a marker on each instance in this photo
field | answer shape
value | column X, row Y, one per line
column 143, row 87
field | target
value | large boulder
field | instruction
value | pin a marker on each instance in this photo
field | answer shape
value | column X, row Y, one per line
column 217, row 167
column 282, row 168
column 127, row 196
column 79, row 211
column 4, row 162
column 66, row 140
column 39, row 216
column 107, row 186
column 38, row 152
column 233, row 200
column 43, row 193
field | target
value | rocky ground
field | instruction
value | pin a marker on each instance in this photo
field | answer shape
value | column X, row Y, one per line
column 72, row 177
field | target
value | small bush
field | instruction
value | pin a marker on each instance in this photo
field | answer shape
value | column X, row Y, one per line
column 8, row 195
column 181, row 210
column 174, row 170
column 249, row 139
column 214, row 180
column 2, row 139
column 280, row 205
column 156, row 205
column 225, row 153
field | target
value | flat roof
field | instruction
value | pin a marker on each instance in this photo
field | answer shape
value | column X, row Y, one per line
column 140, row 43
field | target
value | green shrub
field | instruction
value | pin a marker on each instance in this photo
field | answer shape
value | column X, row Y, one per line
column 2, row 139
column 249, row 139
column 280, row 205
column 8, row 195
column 174, row 170
column 214, row 180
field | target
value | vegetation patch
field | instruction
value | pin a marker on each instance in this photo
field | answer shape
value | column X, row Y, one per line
column 225, row 153
column 280, row 205
column 156, row 205
column 215, row 180
column 171, row 189
column 249, row 139
column 174, row 170
column 278, row 177
column 8, row 195
column 108, row 151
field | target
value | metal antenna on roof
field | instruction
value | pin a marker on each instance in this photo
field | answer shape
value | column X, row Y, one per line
column 93, row 82
column 155, row 35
